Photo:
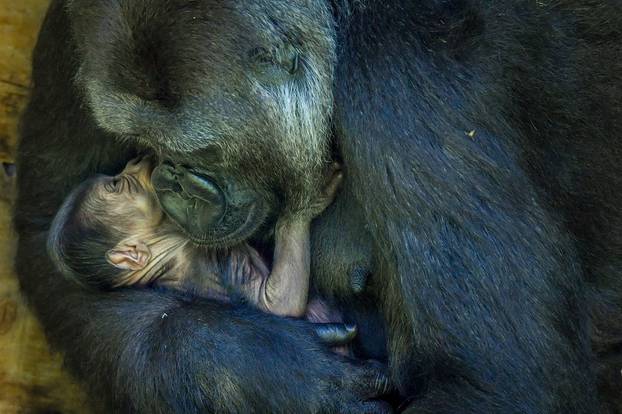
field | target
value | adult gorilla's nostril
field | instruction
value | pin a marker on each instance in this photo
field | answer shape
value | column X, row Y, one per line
column 164, row 178
column 201, row 187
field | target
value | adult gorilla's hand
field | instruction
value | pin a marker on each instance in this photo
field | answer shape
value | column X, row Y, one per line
column 168, row 354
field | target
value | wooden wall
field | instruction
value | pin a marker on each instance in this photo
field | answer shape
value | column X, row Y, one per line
column 31, row 378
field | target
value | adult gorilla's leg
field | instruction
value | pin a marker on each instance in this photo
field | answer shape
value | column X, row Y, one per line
column 483, row 291
column 141, row 350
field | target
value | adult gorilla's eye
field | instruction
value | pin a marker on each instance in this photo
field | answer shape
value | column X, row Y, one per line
column 261, row 56
column 288, row 58
column 277, row 64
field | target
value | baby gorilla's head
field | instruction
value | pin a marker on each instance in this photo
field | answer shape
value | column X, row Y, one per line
column 104, row 227
column 111, row 232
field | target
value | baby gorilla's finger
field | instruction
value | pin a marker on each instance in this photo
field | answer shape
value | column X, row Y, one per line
column 174, row 206
column 336, row 334
column 164, row 178
column 333, row 168
column 333, row 184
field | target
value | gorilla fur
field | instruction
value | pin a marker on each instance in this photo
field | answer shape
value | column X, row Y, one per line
column 480, row 145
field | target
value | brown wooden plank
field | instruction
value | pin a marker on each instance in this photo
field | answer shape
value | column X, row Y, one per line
column 31, row 378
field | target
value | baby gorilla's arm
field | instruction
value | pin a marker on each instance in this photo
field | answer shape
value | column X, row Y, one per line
column 286, row 289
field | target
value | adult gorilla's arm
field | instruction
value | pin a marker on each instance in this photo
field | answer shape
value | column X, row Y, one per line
column 142, row 350
column 482, row 284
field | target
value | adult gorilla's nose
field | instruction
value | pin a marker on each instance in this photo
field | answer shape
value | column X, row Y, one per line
column 165, row 178
column 191, row 200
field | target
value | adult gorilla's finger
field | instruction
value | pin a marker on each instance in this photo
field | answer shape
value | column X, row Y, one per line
column 372, row 407
column 371, row 380
column 336, row 334
column 358, row 279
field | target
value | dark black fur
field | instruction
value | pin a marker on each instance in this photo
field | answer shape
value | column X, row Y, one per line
column 486, row 169
column 481, row 151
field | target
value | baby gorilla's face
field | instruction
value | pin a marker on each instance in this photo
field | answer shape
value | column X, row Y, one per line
column 129, row 198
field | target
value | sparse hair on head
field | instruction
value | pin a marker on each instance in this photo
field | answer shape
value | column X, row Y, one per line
column 78, row 240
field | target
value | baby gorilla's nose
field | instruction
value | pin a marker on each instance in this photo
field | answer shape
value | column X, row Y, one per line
column 141, row 164
column 134, row 161
column 188, row 197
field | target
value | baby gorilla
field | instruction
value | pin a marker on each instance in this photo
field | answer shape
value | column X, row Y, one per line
column 111, row 232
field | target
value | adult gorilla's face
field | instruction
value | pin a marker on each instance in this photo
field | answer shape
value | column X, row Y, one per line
column 239, row 91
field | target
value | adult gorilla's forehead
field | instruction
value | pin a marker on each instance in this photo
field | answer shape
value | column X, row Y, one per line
column 184, row 72
column 207, row 27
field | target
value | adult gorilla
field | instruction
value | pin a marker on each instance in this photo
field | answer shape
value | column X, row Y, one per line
column 480, row 146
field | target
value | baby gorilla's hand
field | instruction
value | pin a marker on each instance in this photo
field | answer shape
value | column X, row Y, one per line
column 325, row 198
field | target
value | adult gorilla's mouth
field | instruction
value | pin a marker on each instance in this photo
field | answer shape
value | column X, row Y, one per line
column 202, row 210
column 212, row 237
column 218, row 223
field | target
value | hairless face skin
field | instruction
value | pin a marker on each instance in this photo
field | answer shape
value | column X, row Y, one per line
column 119, row 219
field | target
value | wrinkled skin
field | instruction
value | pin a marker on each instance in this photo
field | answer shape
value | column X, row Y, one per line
column 479, row 211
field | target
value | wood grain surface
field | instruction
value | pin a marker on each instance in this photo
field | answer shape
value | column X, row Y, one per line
column 31, row 377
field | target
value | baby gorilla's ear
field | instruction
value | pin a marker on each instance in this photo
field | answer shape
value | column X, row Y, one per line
column 129, row 255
